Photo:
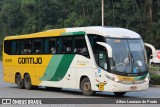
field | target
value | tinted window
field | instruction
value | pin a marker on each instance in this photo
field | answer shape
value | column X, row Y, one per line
column 38, row 46
column 100, row 53
column 67, row 45
column 27, row 47
column 11, row 47
column 54, row 45
column 8, row 47
column 80, row 46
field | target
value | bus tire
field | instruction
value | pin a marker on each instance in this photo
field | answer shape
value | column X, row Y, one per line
column 19, row 81
column 119, row 93
column 153, row 64
column 86, row 88
column 27, row 82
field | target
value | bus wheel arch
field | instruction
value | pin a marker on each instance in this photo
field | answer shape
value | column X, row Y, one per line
column 19, row 81
column 27, row 81
column 85, row 86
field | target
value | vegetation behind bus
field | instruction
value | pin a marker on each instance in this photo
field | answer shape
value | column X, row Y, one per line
column 154, row 75
column 30, row 16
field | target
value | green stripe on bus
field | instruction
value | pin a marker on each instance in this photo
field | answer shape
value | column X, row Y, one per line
column 73, row 33
column 52, row 67
column 67, row 33
column 63, row 67
column 137, row 78
column 79, row 33
column 140, row 77
column 143, row 77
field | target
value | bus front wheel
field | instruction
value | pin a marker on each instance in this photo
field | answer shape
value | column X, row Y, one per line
column 119, row 93
column 19, row 81
column 27, row 82
column 86, row 87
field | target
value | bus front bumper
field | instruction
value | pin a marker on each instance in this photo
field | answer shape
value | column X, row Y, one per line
column 120, row 87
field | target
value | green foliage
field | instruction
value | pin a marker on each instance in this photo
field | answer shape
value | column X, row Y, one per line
column 30, row 16
column 154, row 75
column 155, row 79
column 48, row 27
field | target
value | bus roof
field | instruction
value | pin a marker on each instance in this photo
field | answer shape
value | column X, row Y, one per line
column 114, row 32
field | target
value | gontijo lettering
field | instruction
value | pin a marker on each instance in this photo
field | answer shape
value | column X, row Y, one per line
column 30, row 60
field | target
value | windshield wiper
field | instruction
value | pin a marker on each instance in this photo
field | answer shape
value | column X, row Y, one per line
column 130, row 61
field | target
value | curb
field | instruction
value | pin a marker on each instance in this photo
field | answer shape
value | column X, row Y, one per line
column 154, row 86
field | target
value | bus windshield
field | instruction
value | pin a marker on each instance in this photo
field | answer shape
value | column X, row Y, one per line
column 128, row 56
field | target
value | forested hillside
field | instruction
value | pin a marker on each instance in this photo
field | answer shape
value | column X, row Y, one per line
column 28, row 16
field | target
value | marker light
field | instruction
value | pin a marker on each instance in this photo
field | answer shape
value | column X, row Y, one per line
column 158, row 54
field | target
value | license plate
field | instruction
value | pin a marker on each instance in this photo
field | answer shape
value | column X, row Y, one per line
column 133, row 87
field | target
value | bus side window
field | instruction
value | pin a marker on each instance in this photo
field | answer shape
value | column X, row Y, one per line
column 80, row 46
column 15, row 47
column 18, row 47
column 38, row 46
column 67, row 45
column 52, row 46
column 59, row 45
column 102, row 57
column 8, row 47
column 11, row 47
column 26, row 47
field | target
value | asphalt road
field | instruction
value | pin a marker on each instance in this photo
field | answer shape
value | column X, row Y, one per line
column 8, row 90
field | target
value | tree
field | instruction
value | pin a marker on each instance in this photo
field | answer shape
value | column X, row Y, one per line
column 29, row 16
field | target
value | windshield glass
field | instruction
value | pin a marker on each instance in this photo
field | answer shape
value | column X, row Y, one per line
column 128, row 55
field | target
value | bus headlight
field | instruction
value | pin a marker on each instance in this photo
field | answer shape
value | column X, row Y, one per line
column 112, row 78
column 117, row 80
column 109, row 77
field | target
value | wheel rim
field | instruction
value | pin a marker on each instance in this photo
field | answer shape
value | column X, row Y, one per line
column 87, row 87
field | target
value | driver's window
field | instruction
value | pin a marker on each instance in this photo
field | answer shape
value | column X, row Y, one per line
column 100, row 53
column 102, row 58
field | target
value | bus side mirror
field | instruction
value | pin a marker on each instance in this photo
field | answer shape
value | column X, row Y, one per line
column 152, row 48
column 108, row 47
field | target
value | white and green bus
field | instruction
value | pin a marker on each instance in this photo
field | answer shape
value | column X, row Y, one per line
column 91, row 59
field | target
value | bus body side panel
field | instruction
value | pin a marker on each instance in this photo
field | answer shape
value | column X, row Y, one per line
column 79, row 66
column 13, row 64
column 84, row 69
column 8, row 73
column 27, row 64
column 60, row 72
